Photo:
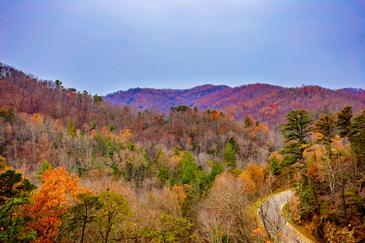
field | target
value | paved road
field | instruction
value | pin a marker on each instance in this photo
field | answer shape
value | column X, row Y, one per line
column 274, row 221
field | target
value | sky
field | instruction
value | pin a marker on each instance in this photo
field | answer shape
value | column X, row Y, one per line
column 110, row 45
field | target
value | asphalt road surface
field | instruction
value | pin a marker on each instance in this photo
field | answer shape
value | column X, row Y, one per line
column 275, row 222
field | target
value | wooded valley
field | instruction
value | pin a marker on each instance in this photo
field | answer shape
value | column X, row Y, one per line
column 75, row 168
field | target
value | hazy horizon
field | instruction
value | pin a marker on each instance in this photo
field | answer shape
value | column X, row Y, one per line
column 117, row 45
column 187, row 87
column 231, row 86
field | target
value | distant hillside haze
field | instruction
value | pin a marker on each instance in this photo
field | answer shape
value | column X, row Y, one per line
column 264, row 102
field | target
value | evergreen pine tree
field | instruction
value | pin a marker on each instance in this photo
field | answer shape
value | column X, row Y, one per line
column 344, row 120
column 295, row 132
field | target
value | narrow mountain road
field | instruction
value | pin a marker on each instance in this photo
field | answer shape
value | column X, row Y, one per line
column 272, row 218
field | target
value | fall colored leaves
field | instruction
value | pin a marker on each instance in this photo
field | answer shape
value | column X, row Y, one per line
column 58, row 192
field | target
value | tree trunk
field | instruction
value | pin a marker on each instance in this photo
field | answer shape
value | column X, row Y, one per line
column 343, row 200
column 83, row 227
column 107, row 234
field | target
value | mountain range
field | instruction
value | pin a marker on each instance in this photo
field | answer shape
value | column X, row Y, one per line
column 261, row 101
column 264, row 102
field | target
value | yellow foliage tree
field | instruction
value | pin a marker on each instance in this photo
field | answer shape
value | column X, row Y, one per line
column 125, row 135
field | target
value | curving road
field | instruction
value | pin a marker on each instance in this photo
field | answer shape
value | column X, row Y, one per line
column 272, row 218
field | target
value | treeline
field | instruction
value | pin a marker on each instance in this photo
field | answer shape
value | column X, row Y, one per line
column 205, row 133
column 28, row 140
column 325, row 157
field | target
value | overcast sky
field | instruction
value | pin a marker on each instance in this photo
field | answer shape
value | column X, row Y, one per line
column 104, row 46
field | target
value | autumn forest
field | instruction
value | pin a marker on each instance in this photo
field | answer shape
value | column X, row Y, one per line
column 79, row 167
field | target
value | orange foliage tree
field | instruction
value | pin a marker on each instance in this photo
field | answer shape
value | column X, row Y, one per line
column 253, row 178
column 37, row 118
column 58, row 192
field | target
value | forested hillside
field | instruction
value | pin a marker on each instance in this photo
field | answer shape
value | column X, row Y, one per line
column 206, row 133
column 75, row 168
column 96, row 155
column 264, row 102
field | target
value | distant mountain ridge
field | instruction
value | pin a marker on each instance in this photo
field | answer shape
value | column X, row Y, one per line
column 162, row 99
column 265, row 102
column 262, row 101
